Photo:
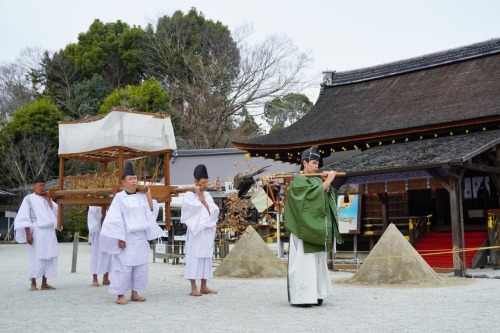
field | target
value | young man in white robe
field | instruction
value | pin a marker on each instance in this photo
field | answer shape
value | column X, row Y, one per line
column 35, row 224
column 200, row 214
column 100, row 262
column 129, row 223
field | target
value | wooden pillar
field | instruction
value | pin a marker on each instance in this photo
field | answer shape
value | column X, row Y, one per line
column 496, row 178
column 168, row 200
column 455, row 180
column 121, row 164
column 461, row 218
column 383, row 197
column 60, row 187
column 75, row 251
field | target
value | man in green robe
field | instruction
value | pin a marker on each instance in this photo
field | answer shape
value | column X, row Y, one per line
column 311, row 219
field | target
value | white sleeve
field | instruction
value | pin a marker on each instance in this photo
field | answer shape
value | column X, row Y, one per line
column 94, row 218
column 22, row 221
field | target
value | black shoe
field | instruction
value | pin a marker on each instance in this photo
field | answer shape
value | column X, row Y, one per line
column 320, row 301
column 302, row 305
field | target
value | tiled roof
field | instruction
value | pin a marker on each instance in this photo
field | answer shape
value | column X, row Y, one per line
column 418, row 155
column 408, row 65
column 450, row 91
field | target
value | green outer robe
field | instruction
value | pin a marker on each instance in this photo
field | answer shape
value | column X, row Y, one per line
column 311, row 213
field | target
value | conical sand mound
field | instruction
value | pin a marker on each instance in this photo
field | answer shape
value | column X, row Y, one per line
column 393, row 260
column 251, row 258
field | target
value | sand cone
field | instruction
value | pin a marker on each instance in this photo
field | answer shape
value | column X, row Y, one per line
column 251, row 257
column 394, row 260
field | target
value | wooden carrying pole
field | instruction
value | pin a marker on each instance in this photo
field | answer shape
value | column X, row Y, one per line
column 291, row 175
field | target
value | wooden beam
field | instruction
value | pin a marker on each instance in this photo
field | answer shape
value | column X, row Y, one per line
column 81, row 192
column 85, row 202
column 491, row 155
column 439, row 179
column 481, row 167
column 160, row 193
column 496, row 181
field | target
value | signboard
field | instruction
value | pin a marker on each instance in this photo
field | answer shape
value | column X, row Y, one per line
column 349, row 213
column 229, row 187
column 10, row 214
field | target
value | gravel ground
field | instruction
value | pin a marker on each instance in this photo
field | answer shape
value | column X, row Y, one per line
column 242, row 305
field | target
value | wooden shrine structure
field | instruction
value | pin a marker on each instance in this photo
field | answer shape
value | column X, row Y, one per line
column 429, row 123
column 115, row 137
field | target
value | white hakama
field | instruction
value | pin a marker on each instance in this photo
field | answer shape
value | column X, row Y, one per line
column 201, row 226
column 124, row 278
column 35, row 213
column 100, row 262
column 198, row 268
column 130, row 219
column 308, row 276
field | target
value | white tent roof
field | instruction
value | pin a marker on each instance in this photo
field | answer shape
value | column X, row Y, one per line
column 147, row 132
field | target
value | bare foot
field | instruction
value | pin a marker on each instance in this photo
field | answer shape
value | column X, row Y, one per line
column 95, row 284
column 138, row 298
column 208, row 291
column 121, row 300
column 47, row 287
column 134, row 296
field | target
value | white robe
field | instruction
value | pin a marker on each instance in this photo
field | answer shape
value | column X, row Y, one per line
column 201, row 227
column 100, row 262
column 130, row 219
column 308, row 276
column 36, row 214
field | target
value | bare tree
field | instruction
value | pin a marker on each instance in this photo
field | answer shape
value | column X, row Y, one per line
column 15, row 85
column 269, row 69
column 15, row 89
column 30, row 59
column 27, row 157
column 220, row 91
column 56, row 77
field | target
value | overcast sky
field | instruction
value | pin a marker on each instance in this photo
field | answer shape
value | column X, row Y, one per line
column 339, row 34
